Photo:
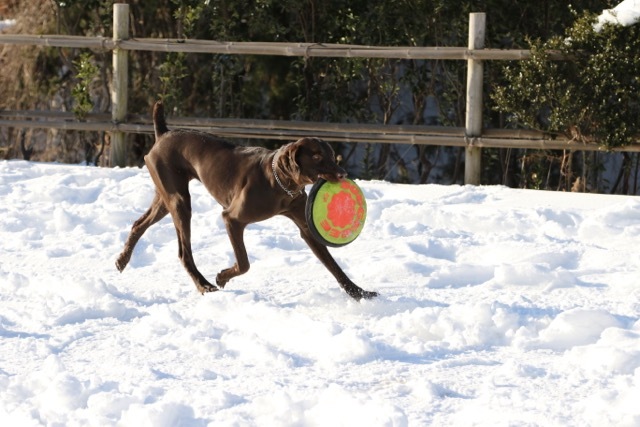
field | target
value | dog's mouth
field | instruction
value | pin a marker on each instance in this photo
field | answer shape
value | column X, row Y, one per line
column 334, row 176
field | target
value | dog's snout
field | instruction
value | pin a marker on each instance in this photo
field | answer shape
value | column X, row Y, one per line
column 338, row 174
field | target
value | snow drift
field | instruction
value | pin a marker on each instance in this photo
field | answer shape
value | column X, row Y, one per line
column 498, row 307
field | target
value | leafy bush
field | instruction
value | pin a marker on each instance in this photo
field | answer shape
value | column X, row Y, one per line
column 593, row 95
column 87, row 71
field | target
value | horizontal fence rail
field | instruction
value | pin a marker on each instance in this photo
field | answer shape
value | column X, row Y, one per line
column 286, row 130
column 265, row 48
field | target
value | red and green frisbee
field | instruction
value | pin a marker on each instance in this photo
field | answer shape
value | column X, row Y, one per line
column 336, row 212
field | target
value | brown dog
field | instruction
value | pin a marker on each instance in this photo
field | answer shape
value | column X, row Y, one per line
column 251, row 183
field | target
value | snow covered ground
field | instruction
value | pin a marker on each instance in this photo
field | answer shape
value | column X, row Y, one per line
column 498, row 307
column 625, row 13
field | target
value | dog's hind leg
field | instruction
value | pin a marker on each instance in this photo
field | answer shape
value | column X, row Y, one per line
column 155, row 213
column 173, row 188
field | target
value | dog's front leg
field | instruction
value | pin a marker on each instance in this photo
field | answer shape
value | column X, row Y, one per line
column 235, row 230
column 321, row 251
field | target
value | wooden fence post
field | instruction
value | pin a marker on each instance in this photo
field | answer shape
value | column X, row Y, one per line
column 120, row 83
column 473, row 119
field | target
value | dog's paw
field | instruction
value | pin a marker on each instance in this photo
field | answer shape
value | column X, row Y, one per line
column 358, row 293
column 368, row 294
column 207, row 288
column 220, row 279
column 361, row 294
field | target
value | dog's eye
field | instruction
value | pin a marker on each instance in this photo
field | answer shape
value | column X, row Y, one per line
column 317, row 158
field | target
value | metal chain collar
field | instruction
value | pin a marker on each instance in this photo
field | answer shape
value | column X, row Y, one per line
column 291, row 194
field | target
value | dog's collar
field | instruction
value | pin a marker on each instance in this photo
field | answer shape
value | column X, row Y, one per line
column 291, row 194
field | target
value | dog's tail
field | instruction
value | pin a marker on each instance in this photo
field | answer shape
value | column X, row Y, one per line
column 159, row 123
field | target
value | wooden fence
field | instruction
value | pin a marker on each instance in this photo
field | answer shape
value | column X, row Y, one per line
column 472, row 136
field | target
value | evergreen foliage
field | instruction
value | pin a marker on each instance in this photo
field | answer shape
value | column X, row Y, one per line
column 594, row 95
column 86, row 72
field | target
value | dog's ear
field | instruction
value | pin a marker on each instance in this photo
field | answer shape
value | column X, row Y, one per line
column 288, row 162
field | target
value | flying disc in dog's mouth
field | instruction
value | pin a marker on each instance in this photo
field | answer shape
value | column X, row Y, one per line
column 336, row 212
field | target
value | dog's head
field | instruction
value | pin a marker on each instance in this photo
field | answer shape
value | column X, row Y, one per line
column 309, row 159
